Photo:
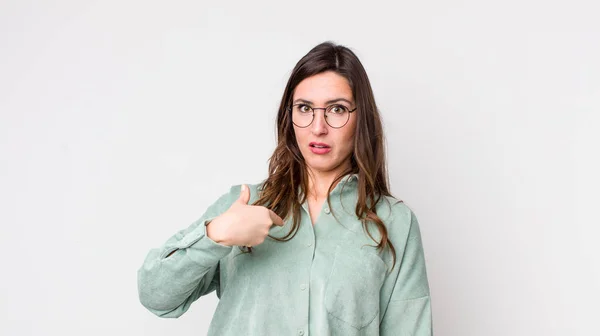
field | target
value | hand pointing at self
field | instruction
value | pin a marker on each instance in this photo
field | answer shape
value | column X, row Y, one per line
column 243, row 224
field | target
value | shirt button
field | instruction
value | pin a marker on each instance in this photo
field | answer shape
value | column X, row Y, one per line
column 303, row 287
column 300, row 332
column 327, row 210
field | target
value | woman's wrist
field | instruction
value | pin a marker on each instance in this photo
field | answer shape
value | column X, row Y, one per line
column 212, row 233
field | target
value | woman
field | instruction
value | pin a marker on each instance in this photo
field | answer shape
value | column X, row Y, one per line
column 320, row 247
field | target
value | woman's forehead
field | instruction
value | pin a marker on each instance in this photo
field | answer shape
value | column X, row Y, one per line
column 322, row 88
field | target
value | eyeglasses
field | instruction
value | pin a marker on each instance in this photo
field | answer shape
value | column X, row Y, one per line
column 336, row 115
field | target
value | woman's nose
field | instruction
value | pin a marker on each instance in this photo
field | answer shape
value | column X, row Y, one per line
column 319, row 125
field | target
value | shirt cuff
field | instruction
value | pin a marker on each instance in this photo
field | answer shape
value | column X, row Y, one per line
column 201, row 248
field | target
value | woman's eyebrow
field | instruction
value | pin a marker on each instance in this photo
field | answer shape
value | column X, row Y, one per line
column 300, row 100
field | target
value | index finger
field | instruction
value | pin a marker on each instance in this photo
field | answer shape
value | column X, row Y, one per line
column 275, row 218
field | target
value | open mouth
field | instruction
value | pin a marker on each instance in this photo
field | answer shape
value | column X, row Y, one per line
column 318, row 145
column 319, row 148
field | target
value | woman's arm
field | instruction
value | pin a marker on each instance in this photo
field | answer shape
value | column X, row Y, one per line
column 185, row 267
column 409, row 309
column 207, row 235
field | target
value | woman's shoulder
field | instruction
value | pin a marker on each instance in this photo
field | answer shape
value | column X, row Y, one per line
column 397, row 216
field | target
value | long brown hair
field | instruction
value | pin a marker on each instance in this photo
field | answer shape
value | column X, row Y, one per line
column 287, row 168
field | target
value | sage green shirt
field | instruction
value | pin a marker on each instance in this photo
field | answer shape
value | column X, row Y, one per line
column 327, row 280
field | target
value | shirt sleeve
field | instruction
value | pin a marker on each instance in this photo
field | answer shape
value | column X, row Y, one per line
column 409, row 308
column 169, row 284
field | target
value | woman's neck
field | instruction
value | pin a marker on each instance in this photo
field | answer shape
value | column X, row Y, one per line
column 319, row 182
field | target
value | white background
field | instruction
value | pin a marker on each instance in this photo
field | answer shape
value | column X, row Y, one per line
column 121, row 121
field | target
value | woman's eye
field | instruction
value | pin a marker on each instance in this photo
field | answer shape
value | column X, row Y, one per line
column 338, row 109
column 304, row 108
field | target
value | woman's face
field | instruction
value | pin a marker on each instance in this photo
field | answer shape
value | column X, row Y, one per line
column 322, row 90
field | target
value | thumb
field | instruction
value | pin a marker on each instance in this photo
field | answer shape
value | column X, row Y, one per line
column 244, row 194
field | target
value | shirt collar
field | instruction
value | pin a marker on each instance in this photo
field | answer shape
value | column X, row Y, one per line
column 346, row 178
column 350, row 177
column 338, row 188
column 344, row 192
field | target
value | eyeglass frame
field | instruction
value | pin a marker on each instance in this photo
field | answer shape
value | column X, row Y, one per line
column 324, row 114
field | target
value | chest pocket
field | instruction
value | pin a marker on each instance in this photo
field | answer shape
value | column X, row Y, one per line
column 353, row 286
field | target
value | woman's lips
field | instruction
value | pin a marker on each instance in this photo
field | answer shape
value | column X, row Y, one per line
column 319, row 148
column 318, row 144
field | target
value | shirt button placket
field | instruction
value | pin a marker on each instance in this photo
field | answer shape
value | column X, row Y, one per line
column 302, row 326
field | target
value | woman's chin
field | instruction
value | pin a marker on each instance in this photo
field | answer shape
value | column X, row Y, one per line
column 321, row 166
